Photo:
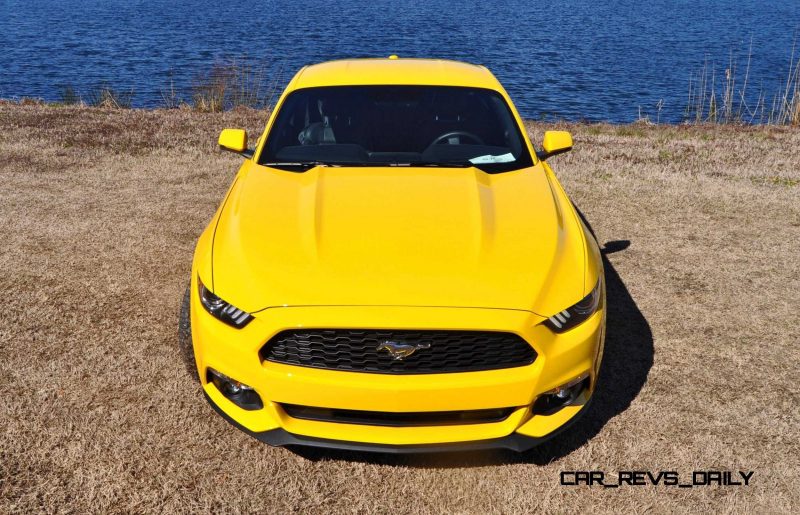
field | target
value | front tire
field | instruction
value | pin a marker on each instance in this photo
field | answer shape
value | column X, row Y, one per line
column 185, row 337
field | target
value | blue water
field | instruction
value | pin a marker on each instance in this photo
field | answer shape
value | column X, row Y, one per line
column 573, row 59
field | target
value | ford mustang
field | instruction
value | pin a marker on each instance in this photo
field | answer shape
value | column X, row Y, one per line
column 395, row 268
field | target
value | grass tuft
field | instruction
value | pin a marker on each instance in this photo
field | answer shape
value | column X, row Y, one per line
column 107, row 97
column 233, row 84
column 69, row 96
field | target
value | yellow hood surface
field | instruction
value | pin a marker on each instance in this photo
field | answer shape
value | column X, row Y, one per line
column 399, row 236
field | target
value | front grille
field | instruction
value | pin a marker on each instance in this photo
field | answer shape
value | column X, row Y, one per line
column 405, row 419
column 366, row 350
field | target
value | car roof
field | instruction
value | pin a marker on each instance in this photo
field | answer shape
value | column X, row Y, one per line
column 395, row 71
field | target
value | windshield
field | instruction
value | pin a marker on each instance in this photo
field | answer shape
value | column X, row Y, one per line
column 395, row 126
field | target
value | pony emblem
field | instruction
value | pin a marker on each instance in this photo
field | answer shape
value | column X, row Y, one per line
column 401, row 351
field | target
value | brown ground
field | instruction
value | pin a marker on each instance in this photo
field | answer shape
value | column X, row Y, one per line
column 100, row 211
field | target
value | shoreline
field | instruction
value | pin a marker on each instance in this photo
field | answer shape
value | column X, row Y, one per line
column 246, row 111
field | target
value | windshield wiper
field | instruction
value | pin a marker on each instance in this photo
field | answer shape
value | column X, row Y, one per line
column 442, row 164
column 301, row 165
column 307, row 165
column 439, row 164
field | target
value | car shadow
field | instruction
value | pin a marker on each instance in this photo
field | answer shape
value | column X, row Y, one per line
column 627, row 360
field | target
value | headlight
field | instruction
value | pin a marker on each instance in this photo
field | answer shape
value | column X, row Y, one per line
column 576, row 314
column 222, row 310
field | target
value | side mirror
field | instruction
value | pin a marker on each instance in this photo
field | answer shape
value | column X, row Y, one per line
column 554, row 143
column 234, row 140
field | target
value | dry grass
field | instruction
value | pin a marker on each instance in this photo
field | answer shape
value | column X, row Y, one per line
column 100, row 212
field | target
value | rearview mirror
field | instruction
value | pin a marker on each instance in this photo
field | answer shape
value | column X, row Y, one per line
column 554, row 143
column 234, row 140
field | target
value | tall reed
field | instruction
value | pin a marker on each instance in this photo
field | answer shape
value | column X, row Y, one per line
column 727, row 103
column 228, row 85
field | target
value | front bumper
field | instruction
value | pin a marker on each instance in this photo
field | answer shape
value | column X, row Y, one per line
column 516, row 442
column 234, row 352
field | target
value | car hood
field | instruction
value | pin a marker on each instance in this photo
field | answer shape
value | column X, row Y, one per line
column 455, row 237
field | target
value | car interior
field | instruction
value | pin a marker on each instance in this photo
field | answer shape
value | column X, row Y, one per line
column 374, row 125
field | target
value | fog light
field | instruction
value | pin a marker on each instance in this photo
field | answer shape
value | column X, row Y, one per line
column 235, row 391
column 553, row 400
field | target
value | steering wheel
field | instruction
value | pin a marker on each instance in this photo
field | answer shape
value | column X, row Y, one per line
column 456, row 134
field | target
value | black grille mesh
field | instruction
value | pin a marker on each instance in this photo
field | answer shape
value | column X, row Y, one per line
column 401, row 419
column 357, row 350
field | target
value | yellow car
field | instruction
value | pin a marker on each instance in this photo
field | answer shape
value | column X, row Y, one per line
column 396, row 269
